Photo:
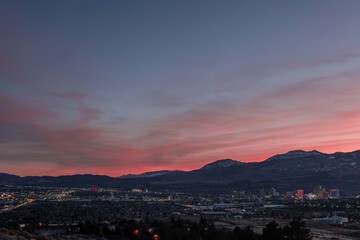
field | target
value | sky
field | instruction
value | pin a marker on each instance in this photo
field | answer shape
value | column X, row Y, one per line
column 118, row 87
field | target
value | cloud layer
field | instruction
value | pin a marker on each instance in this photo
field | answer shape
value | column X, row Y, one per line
column 127, row 88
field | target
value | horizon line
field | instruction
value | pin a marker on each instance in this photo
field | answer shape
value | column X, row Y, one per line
column 82, row 174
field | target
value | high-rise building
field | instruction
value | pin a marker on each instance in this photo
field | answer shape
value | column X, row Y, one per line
column 272, row 191
column 318, row 191
column 334, row 194
column 325, row 195
column 299, row 193
column 261, row 192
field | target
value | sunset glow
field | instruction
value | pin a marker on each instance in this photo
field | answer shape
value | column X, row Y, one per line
column 127, row 87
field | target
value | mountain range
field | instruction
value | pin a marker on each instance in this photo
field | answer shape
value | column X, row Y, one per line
column 293, row 170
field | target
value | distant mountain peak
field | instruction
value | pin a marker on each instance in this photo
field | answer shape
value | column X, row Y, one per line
column 296, row 154
column 303, row 152
column 223, row 163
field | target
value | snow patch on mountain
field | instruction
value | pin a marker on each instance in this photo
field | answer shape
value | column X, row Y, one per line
column 149, row 174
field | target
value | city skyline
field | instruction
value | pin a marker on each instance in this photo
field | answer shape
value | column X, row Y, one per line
column 129, row 87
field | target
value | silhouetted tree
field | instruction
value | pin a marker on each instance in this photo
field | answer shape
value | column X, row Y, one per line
column 296, row 230
column 273, row 231
column 248, row 233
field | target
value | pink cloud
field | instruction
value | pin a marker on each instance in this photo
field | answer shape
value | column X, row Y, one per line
column 15, row 111
column 294, row 117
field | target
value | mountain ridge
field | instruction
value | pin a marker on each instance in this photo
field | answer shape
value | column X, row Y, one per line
column 296, row 169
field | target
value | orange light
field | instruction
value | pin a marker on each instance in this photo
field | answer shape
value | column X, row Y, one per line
column 136, row 232
column 156, row 237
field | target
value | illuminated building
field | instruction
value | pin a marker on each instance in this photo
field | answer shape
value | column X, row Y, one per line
column 318, row 191
column 310, row 196
column 171, row 197
column 333, row 220
column 325, row 195
column 299, row 193
column 334, row 194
